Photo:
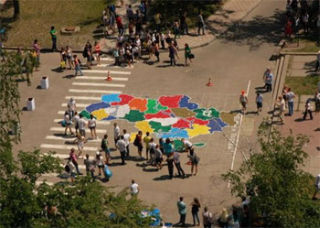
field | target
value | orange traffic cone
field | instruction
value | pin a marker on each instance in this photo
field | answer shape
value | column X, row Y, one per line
column 108, row 77
column 209, row 82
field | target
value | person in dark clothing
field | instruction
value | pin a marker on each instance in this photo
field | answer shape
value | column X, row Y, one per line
column 176, row 159
column 172, row 54
column 195, row 206
column 308, row 110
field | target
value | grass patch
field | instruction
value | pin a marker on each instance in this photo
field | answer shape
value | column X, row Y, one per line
column 37, row 16
column 303, row 85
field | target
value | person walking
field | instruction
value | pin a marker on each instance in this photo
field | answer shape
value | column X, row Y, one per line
column 70, row 169
column 290, row 98
column 194, row 159
column 121, row 146
column 74, row 160
column 138, row 143
column 69, row 57
column 97, row 51
column 68, row 123
column 259, row 100
column 105, row 148
column 75, row 120
column 116, row 133
column 195, row 206
column 92, row 124
column 80, row 141
column 187, row 54
column 207, row 218
column 243, row 101
column 201, row 24
column 53, row 34
column 168, row 151
column 176, row 159
column 134, row 188
column 77, row 66
column 308, row 109
column 126, row 138
column 146, row 141
column 182, row 209
column 99, row 162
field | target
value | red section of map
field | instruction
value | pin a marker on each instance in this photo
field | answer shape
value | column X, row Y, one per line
column 182, row 123
column 171, row 102
column 157, row 115
column 198, row 121
column 124, row 99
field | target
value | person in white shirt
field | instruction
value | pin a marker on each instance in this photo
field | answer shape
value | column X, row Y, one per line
column 68, row 123
column 187, row 144
column 92, row 126
column 72, row 105
column 122, row 147
column 134, row 188
column 152, row 146
column 158, row 157
column 116, row 133
column 75, row 120
column 281, row 104
column 126, row 138
column 317, row 187
column 82, row 126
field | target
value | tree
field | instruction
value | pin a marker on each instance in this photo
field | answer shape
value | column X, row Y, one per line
column 24, row 203
column 280, row 191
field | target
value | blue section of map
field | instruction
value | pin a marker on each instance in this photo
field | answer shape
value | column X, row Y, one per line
column 97, row 106
column 175, row 133
column 110, row 98
column 184, row 103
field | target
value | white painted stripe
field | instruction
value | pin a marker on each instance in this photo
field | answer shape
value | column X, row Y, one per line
column 101, row 78
column 238, row 135
column 93, row 91
column 98, row 84
column 87, row 130
column 106, row 71
column 112, row 65
column 67, row 147
column 61, row 138
column 47, row 182
column 99, row 122
column 83, row 98
column 106, row 59
column 80, row 105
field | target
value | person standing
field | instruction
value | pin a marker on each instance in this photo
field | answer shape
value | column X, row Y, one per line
column 282, row 107
column 126, row 138
column 182, row 209
column 158, row 157
column 121, row 145
column 195, row 206
column 90, row 166
column 290, row 98
column 176, row 159
column 68, row 123
column 317, row 187
column 99, row 162
column 119, row 25
column 318, row 61
column 259, row 100
column 268, row 77
column 53, row 34
column 82, row 125
column 138, row 143
column 146, row 141
column 36, row 51
column 194, row 159
column 168, row 151
column 243, row 101
column 172, row 54
column 201, row 24
column 134, row 188
column 116, row 133
column 105, row 148
column 75, row 120
column 308, row 110
column 97, row 51
column 92, row 124
column 207, row 218
column 183, row 24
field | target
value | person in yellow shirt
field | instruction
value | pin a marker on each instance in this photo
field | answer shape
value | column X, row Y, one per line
column 146, row 140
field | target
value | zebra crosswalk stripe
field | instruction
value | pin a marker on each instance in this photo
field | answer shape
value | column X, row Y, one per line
column 94, row 91
column 97, row 84
column 66, row 147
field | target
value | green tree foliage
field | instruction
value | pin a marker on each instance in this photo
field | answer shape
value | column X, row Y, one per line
column 25, row 203
column 280, row 191
column 171, row 10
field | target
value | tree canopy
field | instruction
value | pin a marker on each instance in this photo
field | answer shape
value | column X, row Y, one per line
column 280, row 190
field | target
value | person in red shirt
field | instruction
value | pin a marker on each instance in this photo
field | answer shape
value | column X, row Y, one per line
column 119, row 24
column 97, row 51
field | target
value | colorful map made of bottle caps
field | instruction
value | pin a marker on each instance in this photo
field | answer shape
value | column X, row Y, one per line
column 167, row 117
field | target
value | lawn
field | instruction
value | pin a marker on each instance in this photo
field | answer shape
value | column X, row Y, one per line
column 303, row 85
column 37, row 16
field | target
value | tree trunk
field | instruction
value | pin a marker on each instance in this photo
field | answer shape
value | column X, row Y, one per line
column 16, row 7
